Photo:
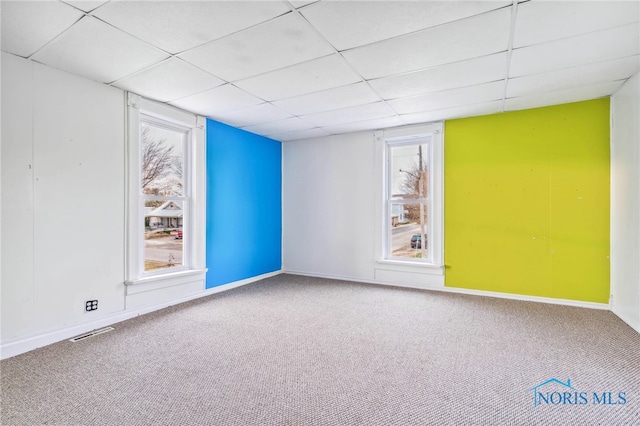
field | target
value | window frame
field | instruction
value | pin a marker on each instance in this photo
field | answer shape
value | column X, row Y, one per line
column 432, row 135
column 141, row 110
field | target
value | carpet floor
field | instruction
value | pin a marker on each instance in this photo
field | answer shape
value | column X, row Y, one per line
column 293, row 350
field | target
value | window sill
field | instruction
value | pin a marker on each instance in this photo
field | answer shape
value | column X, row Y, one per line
column 170, row 279
column 424, row 268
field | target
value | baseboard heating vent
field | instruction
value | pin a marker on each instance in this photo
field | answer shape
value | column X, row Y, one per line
column 91, row 334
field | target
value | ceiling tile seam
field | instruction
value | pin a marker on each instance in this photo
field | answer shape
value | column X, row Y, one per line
column 465, row 104
column 80, row 10
column 424, row 29
column 587, row 64
column 437, row 66
column 637, row 55
column 84, row 15
column 436, row 92
column 507, row 68
column 433, row 67
column 237, row 31
column 628, row 24
column 140, row 71
column 568, row 89
column 337, row 52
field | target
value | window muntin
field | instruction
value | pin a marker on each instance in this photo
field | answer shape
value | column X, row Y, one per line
column 407, row 199
column 164, row 194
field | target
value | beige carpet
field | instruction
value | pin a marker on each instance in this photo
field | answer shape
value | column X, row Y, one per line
column 293, row 350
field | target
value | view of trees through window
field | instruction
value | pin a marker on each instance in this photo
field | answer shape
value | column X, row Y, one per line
column 163, row 193
column 407, row 201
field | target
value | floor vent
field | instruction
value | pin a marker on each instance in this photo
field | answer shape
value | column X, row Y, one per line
column 91, row 334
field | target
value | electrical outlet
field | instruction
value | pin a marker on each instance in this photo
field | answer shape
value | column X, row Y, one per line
column 90, row 305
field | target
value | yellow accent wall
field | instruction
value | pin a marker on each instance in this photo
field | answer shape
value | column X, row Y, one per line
column 527, row 202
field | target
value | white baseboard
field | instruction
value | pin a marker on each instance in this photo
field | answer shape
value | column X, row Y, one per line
column 539, row 299
column 18, row 346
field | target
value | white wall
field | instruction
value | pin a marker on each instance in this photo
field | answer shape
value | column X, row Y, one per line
column 62, row 198
column 331, row 195
column 63, row 209
column 625, row 203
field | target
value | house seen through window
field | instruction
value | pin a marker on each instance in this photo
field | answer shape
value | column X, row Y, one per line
column 164, row 193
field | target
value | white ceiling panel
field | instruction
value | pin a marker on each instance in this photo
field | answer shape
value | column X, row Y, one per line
column 221, row 99
column 169, row 80
column 86, row 5
column 450, row 113
column 301, row 3
column 601, row 72
column 312, row 76
column 276, row 44
column 176, row 26
column 459, row 74
column 350, row 115
column 299, row 134
column 348, row 24
column 579, row 50
column 29, row 25
column 465, row 39
column 542, row 21
column 339, row 97
column 273, row 127
column 253, row 115
column 98, row 51
column 450, row 98
column 563, row 96
column 379, row 123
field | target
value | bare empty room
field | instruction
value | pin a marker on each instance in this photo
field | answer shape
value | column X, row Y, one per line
column 320, row 212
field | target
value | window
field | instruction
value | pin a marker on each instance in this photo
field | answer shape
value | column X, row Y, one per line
column 411, row 221
column 408, row 200
column 166, row 192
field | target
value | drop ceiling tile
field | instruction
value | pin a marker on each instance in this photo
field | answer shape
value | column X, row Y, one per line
column 253, row 115
column 169, row 80
column 280, row 126
column 312, row 76
column 29, row 25
column 584, row 49
column 459, row 74
column 465, row 39
column 86, row 5
column 281, row 42
column 350, row 115
column 301, row 3
column 601, row 72
column 474, row 110
column 576, row 94
column 542, row 21
column 330, row 99
column 450, row 98
column 376, row 124
column 214, row 101
column 98, row 51
column 176, row 26
column 350, row 24
column 299, row 135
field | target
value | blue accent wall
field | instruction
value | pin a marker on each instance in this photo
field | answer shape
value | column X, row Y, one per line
column 244, row 204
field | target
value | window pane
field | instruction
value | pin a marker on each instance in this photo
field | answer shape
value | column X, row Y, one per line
column 408, row 172
column 163, row 243
column 162, row 161
column 408, row 232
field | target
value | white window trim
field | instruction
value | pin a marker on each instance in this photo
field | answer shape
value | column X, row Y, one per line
column 434, row 131
column 195, row 156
